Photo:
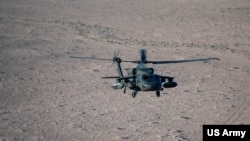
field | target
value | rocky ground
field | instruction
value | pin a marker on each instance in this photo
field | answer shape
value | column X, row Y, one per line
column 47, row 95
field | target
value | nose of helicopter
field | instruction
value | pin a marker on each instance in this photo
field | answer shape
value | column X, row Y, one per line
column 151, row 82
column 156, row 85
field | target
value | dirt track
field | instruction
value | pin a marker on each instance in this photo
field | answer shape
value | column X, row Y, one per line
column 46, row 95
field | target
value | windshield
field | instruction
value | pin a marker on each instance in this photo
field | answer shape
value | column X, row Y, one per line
column 150, row 77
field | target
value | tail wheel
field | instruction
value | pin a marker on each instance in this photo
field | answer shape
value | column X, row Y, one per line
column 134, row 94
column 158, row 94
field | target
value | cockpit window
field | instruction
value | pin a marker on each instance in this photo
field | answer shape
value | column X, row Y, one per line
column 148, row 77
column 145, row 77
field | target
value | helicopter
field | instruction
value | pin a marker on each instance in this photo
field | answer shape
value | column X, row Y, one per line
column 142, row 78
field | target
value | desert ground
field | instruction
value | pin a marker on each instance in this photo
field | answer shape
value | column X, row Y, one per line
column 47, row 95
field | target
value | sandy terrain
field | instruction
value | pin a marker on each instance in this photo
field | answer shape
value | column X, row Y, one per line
column 46, row 95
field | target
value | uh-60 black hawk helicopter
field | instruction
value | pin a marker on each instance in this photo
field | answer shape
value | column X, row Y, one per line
column 142, row 78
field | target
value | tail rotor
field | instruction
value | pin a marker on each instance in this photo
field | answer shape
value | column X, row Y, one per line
column 116, row 58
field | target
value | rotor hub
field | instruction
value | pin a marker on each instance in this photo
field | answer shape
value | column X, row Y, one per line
column 117, row 59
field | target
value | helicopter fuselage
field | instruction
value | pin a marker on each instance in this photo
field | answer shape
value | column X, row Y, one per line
column 149, row 82
column 145, row 79
column 142, row 79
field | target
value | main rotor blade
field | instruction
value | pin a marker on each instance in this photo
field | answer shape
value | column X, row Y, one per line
column 181, row 61
column 76, row 57
column 110, row 77
column 94, row 58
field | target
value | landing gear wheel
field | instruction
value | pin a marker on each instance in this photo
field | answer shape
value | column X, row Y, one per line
column 158, row 94
column 134, row 94
column 124, row 91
